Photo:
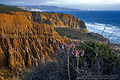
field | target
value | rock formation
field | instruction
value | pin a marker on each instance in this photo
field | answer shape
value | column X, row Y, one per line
column 55, row 19
column 24, row 42
column 26, row 37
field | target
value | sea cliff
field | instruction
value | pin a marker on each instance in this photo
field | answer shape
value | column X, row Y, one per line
column 26, row 37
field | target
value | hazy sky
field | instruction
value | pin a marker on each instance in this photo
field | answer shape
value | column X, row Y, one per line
column 79, row 4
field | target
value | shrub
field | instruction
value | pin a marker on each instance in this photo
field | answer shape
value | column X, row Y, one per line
column 98, row 60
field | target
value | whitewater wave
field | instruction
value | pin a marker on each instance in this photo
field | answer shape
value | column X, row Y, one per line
column 109, row 31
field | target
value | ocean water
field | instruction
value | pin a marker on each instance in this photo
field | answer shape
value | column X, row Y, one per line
column 106, row 23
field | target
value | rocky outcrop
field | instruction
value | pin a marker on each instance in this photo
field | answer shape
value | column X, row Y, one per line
column 55, row 19
column 23, row 42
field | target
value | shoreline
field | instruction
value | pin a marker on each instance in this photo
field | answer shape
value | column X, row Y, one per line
column 111, row 35
column 98, row 21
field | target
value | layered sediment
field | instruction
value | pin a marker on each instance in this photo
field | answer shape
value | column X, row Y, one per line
column 23, row 42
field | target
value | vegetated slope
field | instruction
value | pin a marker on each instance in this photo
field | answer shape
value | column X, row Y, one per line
column 80, row 35
column 98, row 62
column 7, row 9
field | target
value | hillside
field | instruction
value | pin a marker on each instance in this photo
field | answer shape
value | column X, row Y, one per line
column 46, row 8
column 80, row 35
column 6, row 8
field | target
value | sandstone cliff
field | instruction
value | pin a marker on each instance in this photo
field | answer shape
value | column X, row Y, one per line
column 23, row 42
column 55, row 19
column 26, row 37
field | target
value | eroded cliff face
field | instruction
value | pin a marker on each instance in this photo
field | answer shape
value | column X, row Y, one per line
column 23, row 42
column 26, row 37
column 55, row 19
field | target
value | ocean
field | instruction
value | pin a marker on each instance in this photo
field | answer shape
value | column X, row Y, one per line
column 106, row 23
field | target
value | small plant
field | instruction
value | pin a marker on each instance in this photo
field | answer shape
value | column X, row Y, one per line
column 27, row 33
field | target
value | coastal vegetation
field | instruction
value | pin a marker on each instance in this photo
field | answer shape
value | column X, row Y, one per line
column 7, row 9
column 98, row 62
column 79, row 34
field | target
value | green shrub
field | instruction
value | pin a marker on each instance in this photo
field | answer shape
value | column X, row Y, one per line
column 99, row 54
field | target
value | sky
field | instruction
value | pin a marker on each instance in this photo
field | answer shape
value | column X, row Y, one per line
column 77, row 4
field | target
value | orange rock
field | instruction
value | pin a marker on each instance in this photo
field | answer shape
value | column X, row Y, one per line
column 55, row 19
column 23, row 41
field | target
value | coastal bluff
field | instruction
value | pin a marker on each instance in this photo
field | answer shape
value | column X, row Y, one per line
column 55, row 19
column 26, row 37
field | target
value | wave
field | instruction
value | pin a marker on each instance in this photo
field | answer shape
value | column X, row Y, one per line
column 100, row 24
column 109, row 31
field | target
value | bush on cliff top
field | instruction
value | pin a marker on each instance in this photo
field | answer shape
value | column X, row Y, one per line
column 99, row 60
